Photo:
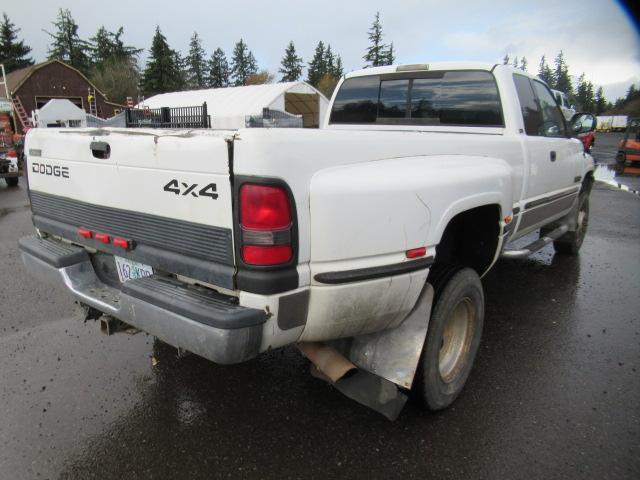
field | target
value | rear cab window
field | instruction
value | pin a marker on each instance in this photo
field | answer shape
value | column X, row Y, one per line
column 446, row 98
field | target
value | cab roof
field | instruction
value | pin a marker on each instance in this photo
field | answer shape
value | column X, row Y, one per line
column 459, row 65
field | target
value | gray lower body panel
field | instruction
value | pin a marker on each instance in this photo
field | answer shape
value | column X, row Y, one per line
column 237, row 342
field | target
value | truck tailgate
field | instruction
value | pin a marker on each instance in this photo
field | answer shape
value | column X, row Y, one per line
column 165, row 192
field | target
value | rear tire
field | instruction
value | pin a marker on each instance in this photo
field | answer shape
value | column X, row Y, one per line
column 12, row 181
column 570, row 242
column 453, row 337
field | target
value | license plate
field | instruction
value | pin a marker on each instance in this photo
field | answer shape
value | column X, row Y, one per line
column 130, row 270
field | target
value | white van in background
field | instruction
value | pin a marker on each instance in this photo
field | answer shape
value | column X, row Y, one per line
column 563, row 102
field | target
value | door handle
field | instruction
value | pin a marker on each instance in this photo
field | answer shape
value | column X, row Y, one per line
column 100, row 150
column 552, row 156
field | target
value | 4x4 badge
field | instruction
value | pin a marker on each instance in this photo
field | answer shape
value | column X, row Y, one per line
column 207, row 191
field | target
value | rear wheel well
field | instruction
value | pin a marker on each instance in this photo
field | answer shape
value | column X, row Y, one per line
column 470, row 239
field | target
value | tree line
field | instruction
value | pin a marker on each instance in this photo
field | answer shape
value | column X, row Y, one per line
column 113, row 66
column 584, row 96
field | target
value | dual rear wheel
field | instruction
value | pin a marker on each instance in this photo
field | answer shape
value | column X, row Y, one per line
column 453, row 337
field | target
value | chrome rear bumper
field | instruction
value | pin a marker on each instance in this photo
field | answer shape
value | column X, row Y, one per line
column 205, row 323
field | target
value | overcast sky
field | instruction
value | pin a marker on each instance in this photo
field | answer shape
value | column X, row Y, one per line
column 597, row 36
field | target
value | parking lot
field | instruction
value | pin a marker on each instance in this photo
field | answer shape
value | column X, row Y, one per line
column 554, row 393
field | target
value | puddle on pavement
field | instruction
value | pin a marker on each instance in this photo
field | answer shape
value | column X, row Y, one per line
column 607, row 173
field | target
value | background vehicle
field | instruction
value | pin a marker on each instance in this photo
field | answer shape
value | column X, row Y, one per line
column 588, row 138
column 563, row 102
column 628, row 158
column 364, row 241
column 10, row 167
column 619, row 123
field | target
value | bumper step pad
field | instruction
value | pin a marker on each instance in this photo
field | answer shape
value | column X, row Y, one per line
column 194, row 303
column 55, row 253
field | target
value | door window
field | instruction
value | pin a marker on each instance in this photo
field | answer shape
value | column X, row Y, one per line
column 529, row 107
column 553, row 120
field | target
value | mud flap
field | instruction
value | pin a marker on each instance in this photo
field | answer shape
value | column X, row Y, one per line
column 386, row 361
column 374, row 392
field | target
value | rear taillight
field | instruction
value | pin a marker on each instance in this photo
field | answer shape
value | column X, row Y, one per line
column 265, row 223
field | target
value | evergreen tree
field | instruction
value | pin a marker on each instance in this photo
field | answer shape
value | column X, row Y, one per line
column 545, row 73
column 106, row 45
column 317, row 67
column 506, row 60
column 117, row 79
column 218, row 70
column 67, row 44
column 181, row 78
column 338, row 70
column 13, row 53
column 196, row 64
column 590, row 104
column 162, row 72
column 581, row 92
column 523, row 64
column 391, row 56
column 243, row 64
column 329, row 60
column 377, row 53
column 600, row 101
column 561, row 78
column 516, row 63
column 291, row 65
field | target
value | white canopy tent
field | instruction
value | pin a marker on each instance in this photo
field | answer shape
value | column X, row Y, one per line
column 230, row 107
column 59, row 112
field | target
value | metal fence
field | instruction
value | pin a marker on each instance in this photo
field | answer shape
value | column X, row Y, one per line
column 168, row 117
column 274, row 119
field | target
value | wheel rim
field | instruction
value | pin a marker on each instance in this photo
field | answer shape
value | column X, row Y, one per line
column 456, row 340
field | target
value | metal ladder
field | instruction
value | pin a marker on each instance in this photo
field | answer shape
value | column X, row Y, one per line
column 93, row 106
column 7, row 95
column 21, row 113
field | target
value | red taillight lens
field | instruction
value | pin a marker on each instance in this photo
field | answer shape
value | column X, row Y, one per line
column 84, row 233
column 121, row 242
column 266, row 255
column 264, row 207
column 103, row 237
column 266, row 222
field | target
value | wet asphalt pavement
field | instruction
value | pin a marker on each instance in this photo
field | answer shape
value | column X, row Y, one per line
column 555, row 392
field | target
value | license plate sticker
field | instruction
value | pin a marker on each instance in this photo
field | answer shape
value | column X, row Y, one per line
column 130, row 270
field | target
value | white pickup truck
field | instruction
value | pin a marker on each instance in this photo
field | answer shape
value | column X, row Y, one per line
column 339, row 239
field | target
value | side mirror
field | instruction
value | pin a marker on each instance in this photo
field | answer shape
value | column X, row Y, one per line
column 583, row 123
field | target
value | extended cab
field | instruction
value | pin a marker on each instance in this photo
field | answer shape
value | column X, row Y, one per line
column 363, row 241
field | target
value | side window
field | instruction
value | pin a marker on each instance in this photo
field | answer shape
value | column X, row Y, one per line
column 357, row 101
column 553, row 120
column 393, row 99
column 530, row 110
